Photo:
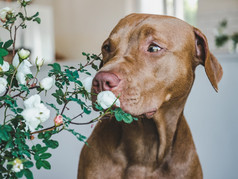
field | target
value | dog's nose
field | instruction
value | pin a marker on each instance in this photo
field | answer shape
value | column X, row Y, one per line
column 105, row 81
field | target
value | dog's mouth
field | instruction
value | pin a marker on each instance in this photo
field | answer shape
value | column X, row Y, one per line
column 147, row 114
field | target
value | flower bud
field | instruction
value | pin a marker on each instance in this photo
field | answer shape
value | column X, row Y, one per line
column 32, row 137
column 39, row 63
column 23, row 54
column 106, row 99
column 3, row 85
column 58, row 120
column 47, row 83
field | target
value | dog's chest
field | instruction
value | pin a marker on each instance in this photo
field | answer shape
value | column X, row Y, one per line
column 140, row 142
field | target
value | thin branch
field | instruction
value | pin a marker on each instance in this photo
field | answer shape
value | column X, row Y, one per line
column 18, row 94
column 65, row 104
column 89, row 63
column 47, row 129
column 14, row 41
column 79, row 115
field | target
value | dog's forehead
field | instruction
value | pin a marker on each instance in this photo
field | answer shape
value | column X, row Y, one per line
column 169, row 27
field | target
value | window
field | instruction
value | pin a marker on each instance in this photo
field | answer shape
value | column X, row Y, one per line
column 183, row 9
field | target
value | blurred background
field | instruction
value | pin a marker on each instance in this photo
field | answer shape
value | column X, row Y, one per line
column 70, row 27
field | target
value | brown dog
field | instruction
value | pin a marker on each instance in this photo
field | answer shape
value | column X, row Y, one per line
column 149, row 60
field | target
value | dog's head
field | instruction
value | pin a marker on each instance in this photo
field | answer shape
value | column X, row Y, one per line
column 149, row 60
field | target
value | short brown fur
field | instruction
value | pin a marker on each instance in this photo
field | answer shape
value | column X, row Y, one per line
column 154, row 87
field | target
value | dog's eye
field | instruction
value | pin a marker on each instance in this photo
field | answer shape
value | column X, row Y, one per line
column 153, row 48
column 106, row 48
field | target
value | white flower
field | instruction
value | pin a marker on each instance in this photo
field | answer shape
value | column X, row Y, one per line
column 4, row 12
column 22, row 70
column 106, row 99
column 24, row 67
column 35, row 112
column 33, row 101
column 23, row 54
column 47, row 83
column 16, row 61
column 39, row 63
column 17, row 165
column 3, row 85
column 87, row 83
column 4, row 67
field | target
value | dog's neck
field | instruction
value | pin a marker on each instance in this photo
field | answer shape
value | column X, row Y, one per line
column 166, row 120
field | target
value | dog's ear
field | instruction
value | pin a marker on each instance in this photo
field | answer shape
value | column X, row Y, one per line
column 212, row 67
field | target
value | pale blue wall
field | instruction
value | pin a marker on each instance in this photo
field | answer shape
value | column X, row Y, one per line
column 213, row 119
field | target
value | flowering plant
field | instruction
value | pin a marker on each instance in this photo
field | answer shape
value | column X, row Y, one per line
column 23, row 112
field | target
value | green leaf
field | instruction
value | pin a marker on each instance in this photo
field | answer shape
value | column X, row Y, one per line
column 127, row 118
column 118, row 116
column 28, row 174
column 54, row 107
column 40, row 136
column 3, row 52
column 37, row 19
column 86, row 110
column 1, row 43
column 38, row 164
column 79, row 83
column 8, row 44
column 1, row 60
column 79, row 136
column 84, row 54
column 95, row 67
column 97, row 106
column 35, row 15
column 51, row 143
column 19, row 110
column 4, row 134
column 45, row 156
column 42, row 150
column 19, row 174
column 45, row 164
column 28, row 164
column 25, row 88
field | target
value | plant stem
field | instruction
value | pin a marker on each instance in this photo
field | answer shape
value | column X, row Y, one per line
column 5, row 113
column 14, row 73
column 14, row 42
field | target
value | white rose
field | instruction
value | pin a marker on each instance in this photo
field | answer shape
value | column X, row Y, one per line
column 4, row 67
column 23, row 54
column 47, row 83
column 33, row 101
column 16, row 61
column 35, row 112
column 17, row 165
column 23, row 69
column 31, row 117
column 106, row 99
column 4, row 12
column 87, row 83
column 3, row 85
